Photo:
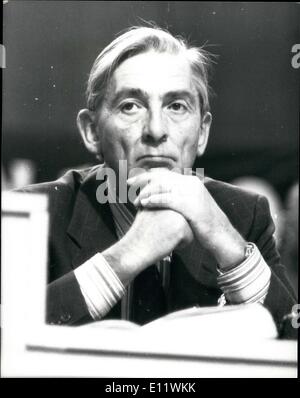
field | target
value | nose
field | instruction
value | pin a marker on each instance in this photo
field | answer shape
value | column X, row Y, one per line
column 155, row 129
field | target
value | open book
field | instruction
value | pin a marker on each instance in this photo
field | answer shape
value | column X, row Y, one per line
column 244, row 321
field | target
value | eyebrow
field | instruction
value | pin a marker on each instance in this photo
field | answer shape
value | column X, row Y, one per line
column 129, row 92
column 143, row 96
column 177, row 94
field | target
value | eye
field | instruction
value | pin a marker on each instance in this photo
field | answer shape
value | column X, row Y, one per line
column 178, row 107
column 129, row 108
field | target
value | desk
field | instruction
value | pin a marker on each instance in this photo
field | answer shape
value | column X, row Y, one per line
column 55, row 351
column 32, row 349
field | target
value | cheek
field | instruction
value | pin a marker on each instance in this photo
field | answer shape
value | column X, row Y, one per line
column 187, row 138
column 189, row 152
column 119, row 139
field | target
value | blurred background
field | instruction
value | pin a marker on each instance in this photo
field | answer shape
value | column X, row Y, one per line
column 51, row 45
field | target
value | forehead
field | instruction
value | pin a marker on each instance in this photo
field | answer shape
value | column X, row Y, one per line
column 154, row 73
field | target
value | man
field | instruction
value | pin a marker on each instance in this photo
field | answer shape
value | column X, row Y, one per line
column 182, row 240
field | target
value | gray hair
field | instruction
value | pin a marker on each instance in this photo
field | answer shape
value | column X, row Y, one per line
column 137, row 40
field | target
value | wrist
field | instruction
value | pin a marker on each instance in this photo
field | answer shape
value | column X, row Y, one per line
column 228, row 248
column 124, row 260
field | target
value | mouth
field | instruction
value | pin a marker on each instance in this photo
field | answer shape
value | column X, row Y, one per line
column 151, row 161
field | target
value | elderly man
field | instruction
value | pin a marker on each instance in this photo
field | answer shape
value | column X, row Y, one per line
column 182, row 240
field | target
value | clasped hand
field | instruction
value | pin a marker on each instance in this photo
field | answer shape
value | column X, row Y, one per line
column 173, row 210
column 161, row 189
column 185, row 194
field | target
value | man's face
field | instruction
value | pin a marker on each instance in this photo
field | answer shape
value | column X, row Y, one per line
column 150, row 115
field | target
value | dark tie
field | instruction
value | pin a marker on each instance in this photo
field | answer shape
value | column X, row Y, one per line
column 148, row 301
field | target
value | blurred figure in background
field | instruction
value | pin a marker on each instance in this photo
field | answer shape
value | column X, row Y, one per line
column 262, row 187
column 21, row 172
column 289, row 247
column 5, row 185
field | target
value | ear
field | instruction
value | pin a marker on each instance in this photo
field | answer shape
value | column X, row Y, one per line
column 88, row 130
column 204, row 133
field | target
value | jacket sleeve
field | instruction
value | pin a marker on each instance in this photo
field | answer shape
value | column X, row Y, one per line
column 65, row 302
column 281, row 297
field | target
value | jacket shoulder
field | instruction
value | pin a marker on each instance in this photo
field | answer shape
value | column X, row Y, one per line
column 68, row 183
column 239, row 204
column 62, row 192
column 226, row 192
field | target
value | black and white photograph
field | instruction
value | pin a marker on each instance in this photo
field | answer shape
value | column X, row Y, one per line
column 150, row 191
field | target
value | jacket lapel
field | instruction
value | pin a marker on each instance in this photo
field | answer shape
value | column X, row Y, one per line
column 91, row 226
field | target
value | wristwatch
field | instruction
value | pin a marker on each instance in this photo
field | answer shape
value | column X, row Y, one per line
column 249, row 249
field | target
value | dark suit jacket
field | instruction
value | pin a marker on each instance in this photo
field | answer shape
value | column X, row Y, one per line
column 81, row 227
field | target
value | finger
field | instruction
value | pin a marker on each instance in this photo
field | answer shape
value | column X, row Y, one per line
column 163, row 200
column 152, row 189
column 154, row 174
column 139, row 181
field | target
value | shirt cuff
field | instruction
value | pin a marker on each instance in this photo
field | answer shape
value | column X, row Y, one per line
column 247, row 283
column 100, row 286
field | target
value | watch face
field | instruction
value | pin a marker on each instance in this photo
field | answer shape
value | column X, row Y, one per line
column 249, row 249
